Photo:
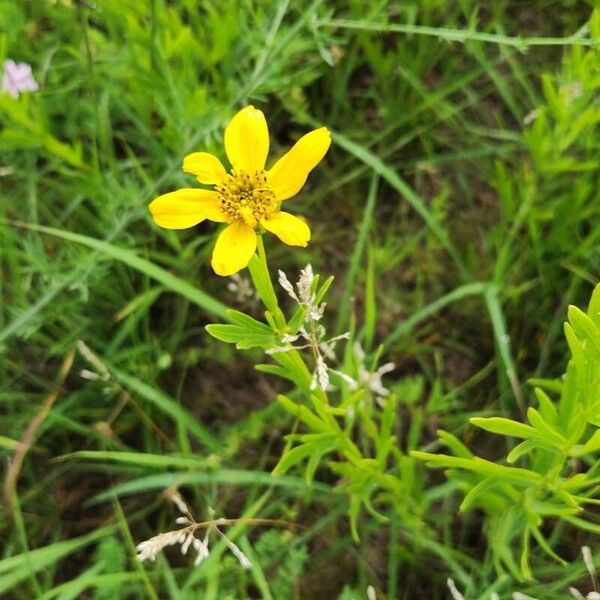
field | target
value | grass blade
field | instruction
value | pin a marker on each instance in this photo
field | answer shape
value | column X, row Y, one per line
column 130, row 258
column 469, row 289
column 405, row 191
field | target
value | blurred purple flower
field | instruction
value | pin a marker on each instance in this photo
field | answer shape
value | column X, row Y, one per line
column 17, row 78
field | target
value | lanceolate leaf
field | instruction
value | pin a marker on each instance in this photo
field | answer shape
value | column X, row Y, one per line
column 505, row 427
column 479, row 465
column 242, row 336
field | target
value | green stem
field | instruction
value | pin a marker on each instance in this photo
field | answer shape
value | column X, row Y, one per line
column 259, row 271
column 262, row 255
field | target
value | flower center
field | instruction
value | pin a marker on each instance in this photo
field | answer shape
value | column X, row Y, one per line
column 246, row 196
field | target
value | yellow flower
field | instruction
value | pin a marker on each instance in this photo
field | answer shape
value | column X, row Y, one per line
column 248, row 196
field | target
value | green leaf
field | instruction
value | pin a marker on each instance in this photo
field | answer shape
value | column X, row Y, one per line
column 546, row 430
column 541, row 540
column 551, row 509
column 293, row 457
column 353, row 514
column 548, row 385
column 241, row 336
column 585, row 328
column 170, row 407
column 476, row 492
column 547, row 408
column 583, row 524
column 569, row 416
column 578, row 481
column 370, row 295
column 274, row 370
column 313, row 462
column 311, row 467
column 259, row 272
column 494, row 306
column 225, row 477
column 575, row 345
column 454, row 444
column 252, row 325
column 479, row 465
column 109, row 582
column 320, row 294
column 297, row 319
column 504, row 426
column 170, row 281
column 139, row 459
column 295, row 367
column 388, row 417
column 594, row 305
column 15, row 569
column 319, row 438
column 520, row 450
column 592, row 445
column 245, row 331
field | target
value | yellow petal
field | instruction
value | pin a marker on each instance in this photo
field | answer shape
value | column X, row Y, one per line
column 289, row 173
column 234, row 248
column 289, row 229
column 247, row 140
column 206, row 167
column 185, row 208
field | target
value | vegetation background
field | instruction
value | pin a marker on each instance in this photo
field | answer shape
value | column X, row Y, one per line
column 477, row 115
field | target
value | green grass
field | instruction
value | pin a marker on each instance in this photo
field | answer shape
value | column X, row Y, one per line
column 458, row 210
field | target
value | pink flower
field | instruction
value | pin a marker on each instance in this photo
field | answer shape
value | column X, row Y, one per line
column 17, row 78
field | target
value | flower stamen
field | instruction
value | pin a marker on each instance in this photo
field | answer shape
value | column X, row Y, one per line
column 246, row 196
